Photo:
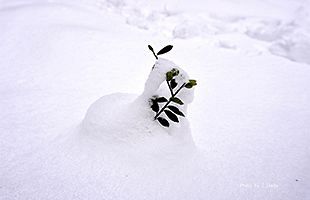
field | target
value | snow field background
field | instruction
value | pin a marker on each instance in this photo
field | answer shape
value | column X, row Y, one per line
column 249, row 119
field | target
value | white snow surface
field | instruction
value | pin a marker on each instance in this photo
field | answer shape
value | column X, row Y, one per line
column 247, row 131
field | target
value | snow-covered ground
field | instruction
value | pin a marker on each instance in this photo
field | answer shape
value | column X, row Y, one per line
column 250, row 118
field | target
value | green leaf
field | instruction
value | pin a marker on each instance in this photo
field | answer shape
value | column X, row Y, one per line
column 173, row 84
column 176, row 110
column 191, row 84
column 169, row 76
column 155, row 106
column 188, row 85
column 176, row 100
column 163, row 121
column 161, row 100
column 165, row 49
column 171, row 116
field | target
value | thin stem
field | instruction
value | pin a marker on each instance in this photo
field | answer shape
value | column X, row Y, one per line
column 151, row 49
column 165, row 106
column 171, row 91
column 182, row 86
column 162, row 109
column 155, row 55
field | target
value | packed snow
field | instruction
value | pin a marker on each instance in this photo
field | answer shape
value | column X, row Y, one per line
column 75, row 81
column 127, row 118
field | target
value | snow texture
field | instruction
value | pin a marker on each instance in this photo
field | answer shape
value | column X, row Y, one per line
column 249, row 127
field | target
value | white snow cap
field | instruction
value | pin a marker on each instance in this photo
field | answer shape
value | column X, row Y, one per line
column 158, row 76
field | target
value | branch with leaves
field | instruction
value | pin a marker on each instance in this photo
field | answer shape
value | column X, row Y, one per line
column 171, row 111
column 162, row 51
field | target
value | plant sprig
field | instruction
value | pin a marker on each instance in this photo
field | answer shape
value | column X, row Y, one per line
column 162, row 51
column 171, row 111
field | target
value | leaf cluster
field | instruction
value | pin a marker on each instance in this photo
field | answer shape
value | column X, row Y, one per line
column 162, row 51
column 172, row 112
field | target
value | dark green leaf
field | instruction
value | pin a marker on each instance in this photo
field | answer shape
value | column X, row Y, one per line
column 173, row 83
column 163, row 121
column 191, row 84
column 171, row 116
column 176, row 100
column 165, row 49
column 161, row 99
column 155, row 106
column 188, row 85
column 169, row 76
column 176, row 110
column 150, row 47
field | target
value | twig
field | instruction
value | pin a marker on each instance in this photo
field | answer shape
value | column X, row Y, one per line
column 171, row 91
column 172, row 96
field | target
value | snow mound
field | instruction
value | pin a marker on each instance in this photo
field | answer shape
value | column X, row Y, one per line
column 121, row 118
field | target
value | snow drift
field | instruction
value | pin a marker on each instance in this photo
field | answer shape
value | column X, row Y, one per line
column 250, row 121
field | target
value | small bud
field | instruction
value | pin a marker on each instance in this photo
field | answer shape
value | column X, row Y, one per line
column 191, row 84
column 169, row 76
